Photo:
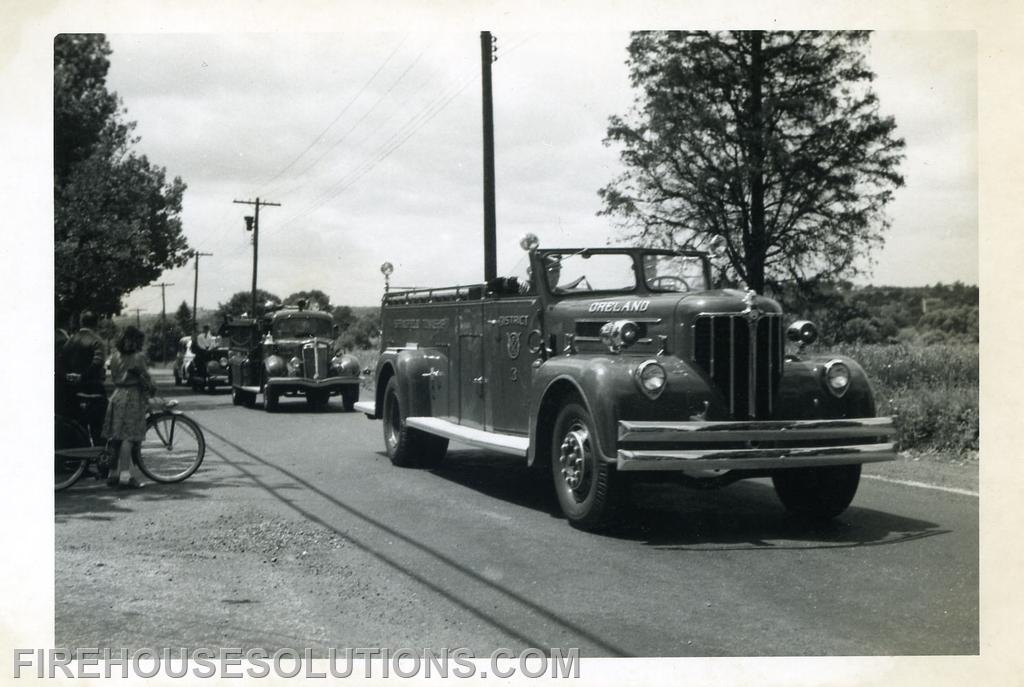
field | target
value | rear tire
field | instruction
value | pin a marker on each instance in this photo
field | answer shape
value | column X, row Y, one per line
column 173, row 449
column 68, row 470
column 408, row 447
column 590, row 491
column 817, row 493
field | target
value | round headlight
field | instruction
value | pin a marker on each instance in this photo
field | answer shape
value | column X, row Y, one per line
column 294, row 365
column 275, row 366
column 837, row 377
column 223, row 362
column 651, row 377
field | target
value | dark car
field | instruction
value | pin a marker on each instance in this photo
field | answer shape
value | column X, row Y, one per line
column 290, row 352
column 209, row 368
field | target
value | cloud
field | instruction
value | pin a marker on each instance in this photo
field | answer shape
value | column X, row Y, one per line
column 393, row 171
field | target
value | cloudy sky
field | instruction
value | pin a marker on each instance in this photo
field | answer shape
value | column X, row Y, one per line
column 371, row 143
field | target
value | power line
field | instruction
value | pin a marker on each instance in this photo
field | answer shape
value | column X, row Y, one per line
column 353, row 127
column 338, row 117
column 396, row 141
column 385, row 150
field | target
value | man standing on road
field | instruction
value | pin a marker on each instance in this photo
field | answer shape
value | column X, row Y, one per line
column 83, row 361
column 202, row 346
column 206, row 340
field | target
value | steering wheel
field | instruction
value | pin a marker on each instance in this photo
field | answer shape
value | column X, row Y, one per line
column 576, row 282
column 670, row 279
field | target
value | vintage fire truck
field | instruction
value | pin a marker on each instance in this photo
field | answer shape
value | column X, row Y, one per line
column 606, row 365
column 289, row 352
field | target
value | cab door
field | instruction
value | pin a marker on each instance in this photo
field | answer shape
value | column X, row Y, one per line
column 507, row 323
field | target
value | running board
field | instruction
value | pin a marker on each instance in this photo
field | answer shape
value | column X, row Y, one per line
column 503, row 443
column 368, row 407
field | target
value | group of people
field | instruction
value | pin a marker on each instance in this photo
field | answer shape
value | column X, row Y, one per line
column 80, row 374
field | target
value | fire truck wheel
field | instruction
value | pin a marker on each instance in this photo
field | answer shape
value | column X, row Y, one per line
column 817, row 493
column 349, row 398
column 270, row 399
column 408, row 447
column 590, row 491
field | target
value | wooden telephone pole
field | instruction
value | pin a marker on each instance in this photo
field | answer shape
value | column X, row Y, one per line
column 253, row 224
column 163, row 319
column 195, row 291
column 487, row 56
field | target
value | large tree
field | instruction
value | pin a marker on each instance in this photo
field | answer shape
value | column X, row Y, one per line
column 765, row 148
column 117, row 219
column 241, row 303
column 183, row 318
column 321, row 299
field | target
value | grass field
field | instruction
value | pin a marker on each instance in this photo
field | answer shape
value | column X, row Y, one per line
column 931, row 389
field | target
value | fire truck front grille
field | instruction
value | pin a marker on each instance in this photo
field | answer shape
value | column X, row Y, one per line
column 743, row 357
column 314, row 360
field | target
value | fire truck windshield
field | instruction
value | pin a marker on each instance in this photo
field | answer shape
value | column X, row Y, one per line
column 672, row 272
column 592, row 270
column 586, row 271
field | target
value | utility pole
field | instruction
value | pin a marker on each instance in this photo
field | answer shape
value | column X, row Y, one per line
column 163, row 319
column 195, row 291
column 253, row 224
column 138, row 320
column 488, row 49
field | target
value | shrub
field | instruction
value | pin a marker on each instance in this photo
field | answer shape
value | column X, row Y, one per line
column 931, row 389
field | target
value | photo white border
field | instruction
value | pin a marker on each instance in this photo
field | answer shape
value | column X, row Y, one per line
column 26, row 266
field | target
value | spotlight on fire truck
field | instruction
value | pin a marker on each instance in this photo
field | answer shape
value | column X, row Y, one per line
column 802, row 332
column 529, row 242
column 619, row 334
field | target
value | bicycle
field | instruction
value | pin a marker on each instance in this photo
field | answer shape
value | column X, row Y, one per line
column 172, row 450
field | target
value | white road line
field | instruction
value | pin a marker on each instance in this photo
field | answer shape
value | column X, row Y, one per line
column 923, row 485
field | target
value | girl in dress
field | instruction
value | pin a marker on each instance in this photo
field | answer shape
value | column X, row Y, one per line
column 125, row 422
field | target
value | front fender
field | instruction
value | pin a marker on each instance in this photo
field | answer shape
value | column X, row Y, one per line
column 803, row 394
column 604, row 383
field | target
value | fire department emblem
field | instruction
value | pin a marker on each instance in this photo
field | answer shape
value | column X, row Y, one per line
column 512, row 344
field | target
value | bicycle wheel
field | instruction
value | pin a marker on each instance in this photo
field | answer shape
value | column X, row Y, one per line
column 68, row 468
column 173, row 448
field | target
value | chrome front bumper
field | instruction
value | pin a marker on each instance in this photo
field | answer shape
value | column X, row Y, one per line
column 753, row 445
column 293, row 383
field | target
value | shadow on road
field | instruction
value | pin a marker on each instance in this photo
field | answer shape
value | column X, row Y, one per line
column 500, row 476
column 92, row 499
column 667, row 515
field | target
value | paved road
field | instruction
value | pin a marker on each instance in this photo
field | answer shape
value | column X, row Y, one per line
column 298, row 532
